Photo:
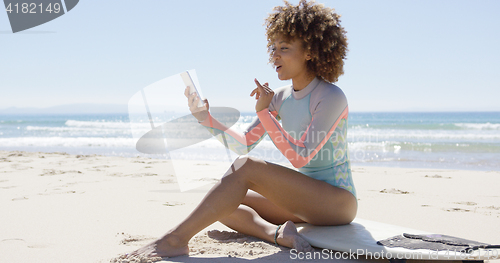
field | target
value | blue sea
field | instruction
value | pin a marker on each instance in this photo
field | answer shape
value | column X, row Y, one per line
column 450, row 140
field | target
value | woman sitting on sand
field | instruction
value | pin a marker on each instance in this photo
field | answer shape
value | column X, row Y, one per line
column 307, row 45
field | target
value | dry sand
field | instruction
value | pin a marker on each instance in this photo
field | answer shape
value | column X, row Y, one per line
column 71, row 208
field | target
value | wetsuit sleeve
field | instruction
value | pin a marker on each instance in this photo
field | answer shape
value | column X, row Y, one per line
column 239, row 142
column 328, row 112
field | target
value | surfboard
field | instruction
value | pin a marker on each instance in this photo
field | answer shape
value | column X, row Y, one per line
column 360, row 237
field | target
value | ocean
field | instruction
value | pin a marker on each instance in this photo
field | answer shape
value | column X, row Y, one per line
column 449, row 140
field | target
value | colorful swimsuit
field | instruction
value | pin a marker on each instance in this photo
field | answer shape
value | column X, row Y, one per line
column 313, row 135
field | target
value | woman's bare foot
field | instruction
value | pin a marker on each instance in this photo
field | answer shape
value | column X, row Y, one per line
column 167, row 246
column 288, row 237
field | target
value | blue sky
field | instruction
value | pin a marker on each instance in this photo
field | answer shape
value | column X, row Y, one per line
column 404, row 55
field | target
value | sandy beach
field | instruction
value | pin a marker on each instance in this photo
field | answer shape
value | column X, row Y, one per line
column 58, row 207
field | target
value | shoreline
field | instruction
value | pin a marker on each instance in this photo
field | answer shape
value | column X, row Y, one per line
column 380, row 164
column 58, row 206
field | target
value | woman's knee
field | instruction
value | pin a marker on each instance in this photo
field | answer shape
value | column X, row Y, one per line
column 245, row 166
column 241, row 164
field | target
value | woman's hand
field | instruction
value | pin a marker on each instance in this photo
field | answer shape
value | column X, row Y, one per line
column 263, row 95
column 200, row 113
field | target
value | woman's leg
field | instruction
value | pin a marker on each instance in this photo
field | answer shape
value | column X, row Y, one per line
column 246, row 221
column 308, row 199
column 267, row 210
column 258, row 217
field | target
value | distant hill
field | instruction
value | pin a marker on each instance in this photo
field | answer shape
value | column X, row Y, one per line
column 81, row 108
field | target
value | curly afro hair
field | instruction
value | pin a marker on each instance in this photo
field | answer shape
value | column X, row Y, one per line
column 319, row 29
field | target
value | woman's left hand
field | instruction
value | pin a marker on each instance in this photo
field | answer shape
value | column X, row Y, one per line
column 263, row 95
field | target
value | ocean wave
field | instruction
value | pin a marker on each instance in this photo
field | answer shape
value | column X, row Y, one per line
column 405, row 126
column 88, row 130
column 99, row 124
column 426, row 126
column 82, row 142
column 479, row 126
column 11, row 121
column 383, row 134
column 397, row 147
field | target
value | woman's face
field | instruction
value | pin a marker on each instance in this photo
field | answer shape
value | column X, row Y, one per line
column 290, row 58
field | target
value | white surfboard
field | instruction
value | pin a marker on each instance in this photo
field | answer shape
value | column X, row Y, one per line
column 361, row 236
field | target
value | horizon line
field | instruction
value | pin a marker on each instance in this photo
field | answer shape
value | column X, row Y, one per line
column 242, row 111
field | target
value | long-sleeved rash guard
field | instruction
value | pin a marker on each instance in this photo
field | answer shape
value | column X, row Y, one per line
column 312, row 135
